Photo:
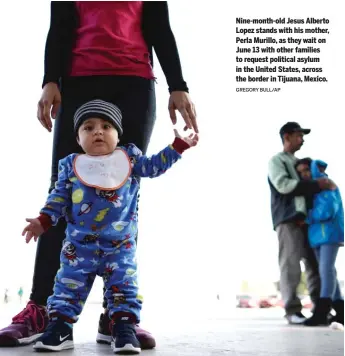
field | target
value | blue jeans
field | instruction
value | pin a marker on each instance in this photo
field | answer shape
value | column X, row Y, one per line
column 326, row 256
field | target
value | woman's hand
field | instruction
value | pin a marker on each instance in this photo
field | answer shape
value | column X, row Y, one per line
column 49, row 104
column 181, row 101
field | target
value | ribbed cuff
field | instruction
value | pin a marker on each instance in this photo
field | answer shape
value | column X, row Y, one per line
column 45, row 221
column 180, row 145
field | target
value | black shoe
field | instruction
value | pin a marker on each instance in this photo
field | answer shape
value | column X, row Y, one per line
column 321, row 312
column 57, row 337
column 338, row 306
column 124, row 339
column 104, row 330
column 296, row 319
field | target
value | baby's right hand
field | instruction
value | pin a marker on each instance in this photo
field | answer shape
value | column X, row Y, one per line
column 190, row 140
column 33, row 230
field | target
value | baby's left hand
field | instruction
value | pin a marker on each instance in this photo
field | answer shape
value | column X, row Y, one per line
column 191, row 140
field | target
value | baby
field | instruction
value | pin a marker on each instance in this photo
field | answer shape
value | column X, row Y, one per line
column 97, row 194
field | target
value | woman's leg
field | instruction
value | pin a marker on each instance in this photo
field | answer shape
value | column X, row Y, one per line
column 137, row 100
column 328, row 255
column 337, row 294
column 49, row 245
column 30, row 322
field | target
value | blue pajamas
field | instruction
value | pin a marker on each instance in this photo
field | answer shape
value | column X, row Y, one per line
column 100, row 236
column 75, row 278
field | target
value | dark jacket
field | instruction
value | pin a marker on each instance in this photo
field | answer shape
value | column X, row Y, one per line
column 288, row 192
column 156, row 31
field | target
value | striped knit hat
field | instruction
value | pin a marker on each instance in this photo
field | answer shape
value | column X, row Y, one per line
column 98, row 109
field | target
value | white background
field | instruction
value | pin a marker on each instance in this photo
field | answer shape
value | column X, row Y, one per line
column 206, row 224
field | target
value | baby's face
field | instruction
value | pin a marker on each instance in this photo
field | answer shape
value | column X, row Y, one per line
column 97, row 137
column 304, row 171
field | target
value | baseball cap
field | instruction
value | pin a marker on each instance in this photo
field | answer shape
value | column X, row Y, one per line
column 291, row 127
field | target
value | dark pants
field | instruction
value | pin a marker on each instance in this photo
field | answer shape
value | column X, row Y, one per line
column 136, row 98
column 293, row 248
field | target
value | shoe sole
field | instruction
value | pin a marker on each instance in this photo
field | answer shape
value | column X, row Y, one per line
column 337, row 326
column 127, row 349
column 10, row 341
column 316, row 325
column 296, row 324
column 300, row 321
column 103, row 339
column 66, row 345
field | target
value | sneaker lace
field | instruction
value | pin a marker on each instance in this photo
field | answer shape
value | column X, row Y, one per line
column 32, row 315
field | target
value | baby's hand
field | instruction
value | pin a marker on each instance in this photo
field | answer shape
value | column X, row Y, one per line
column 33, row 230
column 190, row 140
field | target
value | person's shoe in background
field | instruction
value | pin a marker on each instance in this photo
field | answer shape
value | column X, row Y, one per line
column 296, row 319
column 26, row 327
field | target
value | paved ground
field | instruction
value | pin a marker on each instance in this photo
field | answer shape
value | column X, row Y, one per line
column 217, row 333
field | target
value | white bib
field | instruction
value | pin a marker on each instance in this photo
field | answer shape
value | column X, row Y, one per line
column 108, row 172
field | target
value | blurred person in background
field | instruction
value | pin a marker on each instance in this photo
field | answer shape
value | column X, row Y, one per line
column 326, row 234
column 289, row 211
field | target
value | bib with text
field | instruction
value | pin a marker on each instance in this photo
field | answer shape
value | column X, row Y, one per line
column 108, row 172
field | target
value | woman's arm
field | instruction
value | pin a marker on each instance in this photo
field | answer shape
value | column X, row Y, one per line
column 156, row 26
column 59, row 40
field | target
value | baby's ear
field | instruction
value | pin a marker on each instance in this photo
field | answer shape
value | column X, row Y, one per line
column 78, row 140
